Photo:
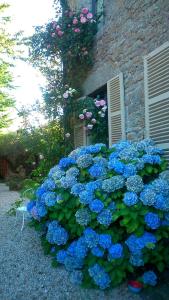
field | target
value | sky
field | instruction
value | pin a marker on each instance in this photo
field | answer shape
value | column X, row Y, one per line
column 25, row 14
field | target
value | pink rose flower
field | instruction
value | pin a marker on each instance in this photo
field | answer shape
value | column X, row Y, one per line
column 97, row 103
column 102, row 102
column 89, row 16
column 93, row 121
column 67, row 135
column 81, row 15
column 65, row 95
column 75, row 21
column 85, row 10
column 88, row 114
column 60, row 33
column 83, row 20
column 68, row 25
column 90, row 126
column 81, row 117
column 77, row 30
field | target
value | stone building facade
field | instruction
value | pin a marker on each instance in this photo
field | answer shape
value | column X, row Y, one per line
column 129, row 33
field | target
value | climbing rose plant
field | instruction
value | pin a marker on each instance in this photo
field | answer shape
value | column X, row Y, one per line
column 69, row 39
column 105, row 214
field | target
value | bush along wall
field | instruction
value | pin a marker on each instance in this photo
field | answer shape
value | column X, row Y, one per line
column 104, row 214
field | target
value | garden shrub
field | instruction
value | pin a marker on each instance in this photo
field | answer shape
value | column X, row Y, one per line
column 104, row 214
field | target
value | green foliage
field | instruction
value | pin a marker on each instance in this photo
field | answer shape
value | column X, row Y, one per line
column 6, row 53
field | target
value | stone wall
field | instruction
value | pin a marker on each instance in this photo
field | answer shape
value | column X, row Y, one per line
column 131, row 30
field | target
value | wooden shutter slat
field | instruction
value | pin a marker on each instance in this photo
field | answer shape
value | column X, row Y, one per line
column 116, row 120
column 156, row 67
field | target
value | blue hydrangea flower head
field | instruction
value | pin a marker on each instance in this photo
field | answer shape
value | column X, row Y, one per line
column 77, row 189
column 136, row 260
column 61, row 255
column 98, row 252
column 73, row 263
column 66, row 162
column 49, row 198
column 41, row 209
column 100, row 277
column 84, row 161
column 129, row 170
column 130, row 198
column 94, row 185
column 91, row 238
column 116, row 165
column 49, row 185
column 83, row 216
column 134, row 184
column 68, row 181
column 113, row 184
column 96, row 206
column 152, row 220
column 150, row 278
column 115, row 251
column 148, row 197
column 30, row 205
column 76, row 277
column 105, row 217
column 97, row 171
column 105, row 240
column 86, row 197
column 72, row 172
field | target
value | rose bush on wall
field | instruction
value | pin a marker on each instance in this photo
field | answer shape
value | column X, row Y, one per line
column 105, row 214
column 70, row 39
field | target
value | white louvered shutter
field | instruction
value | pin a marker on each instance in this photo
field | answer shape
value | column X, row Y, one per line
column 156, row 67
column 79, row 136
column 116, row 115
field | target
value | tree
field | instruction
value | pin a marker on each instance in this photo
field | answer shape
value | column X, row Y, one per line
column 6, row 53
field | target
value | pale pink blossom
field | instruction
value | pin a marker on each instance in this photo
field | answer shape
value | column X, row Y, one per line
column 67, row 135
column 68, row 25
column 60, row 33
column 102, row 102
column 90, row 126
column 93, row 121
column 75, row 21
column 53, row 34
column 77, row 30
column 58, row 28
column 88, row 114
column 65, row 95
column 89, row 16
column 85, row 10
column 81, row 117
column 97, row 103
column 54, row 24
column 81, row 15
column 83, row 20
column 85, row 53
column 84, row 110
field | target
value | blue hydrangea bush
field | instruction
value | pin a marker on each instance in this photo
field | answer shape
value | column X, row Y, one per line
column 104, row 213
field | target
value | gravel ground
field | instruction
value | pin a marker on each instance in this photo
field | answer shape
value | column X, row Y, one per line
column 26, row 274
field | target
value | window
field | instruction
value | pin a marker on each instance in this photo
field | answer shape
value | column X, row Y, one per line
column 156, row 78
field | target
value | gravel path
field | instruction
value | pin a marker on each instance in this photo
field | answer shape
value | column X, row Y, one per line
column 26, row 274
